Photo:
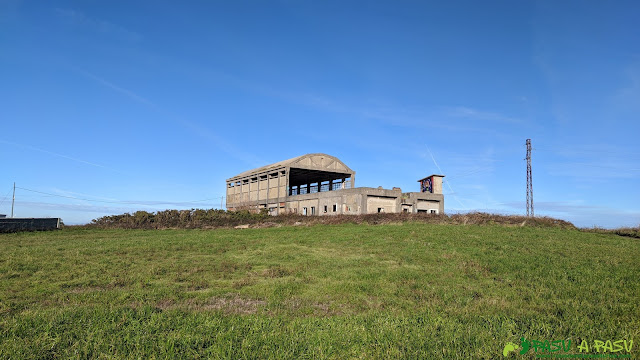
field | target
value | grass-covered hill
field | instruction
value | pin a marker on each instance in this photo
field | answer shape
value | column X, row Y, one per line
column 401, row 289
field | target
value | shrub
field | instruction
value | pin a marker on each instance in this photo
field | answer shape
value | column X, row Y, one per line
column 213, row 218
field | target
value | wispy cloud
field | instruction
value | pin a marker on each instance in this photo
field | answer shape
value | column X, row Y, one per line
column 446, row 182
column 128, row 93
column 478, row 115
column 58, row 155
column 74, row 194
column 582, row 214
column 627, row 98
column 449, row 118
column 565, row 207
column 462, row 172
column 102, row 26
column 595, row 171
column 197, row 129
column 98, row 201
column 595, row 162
column 39, row 205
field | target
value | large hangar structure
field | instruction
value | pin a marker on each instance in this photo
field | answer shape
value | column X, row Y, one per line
column 321, row 184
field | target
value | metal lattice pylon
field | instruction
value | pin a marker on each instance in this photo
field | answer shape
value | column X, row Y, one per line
column 529, row 181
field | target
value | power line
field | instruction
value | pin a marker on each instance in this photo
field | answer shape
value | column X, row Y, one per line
column 14, row 198
column 445, row 181
column 471, row 172
column 6, row 196
column 115, row 202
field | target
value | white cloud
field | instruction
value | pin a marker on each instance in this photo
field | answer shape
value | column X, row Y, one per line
column 105, row 27
column 478, row 115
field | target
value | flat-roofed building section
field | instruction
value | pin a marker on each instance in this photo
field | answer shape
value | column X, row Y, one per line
column 271, row 186
column 321, row 184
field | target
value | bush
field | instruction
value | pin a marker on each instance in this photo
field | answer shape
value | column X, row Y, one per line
column 213, row 218
column 626, row 231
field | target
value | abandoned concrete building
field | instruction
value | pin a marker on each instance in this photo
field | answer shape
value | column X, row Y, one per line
column 320, row 184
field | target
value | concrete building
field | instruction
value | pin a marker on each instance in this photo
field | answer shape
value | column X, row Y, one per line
column 320, row 184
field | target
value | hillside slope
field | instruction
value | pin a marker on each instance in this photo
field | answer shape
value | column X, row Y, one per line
column 323, row 291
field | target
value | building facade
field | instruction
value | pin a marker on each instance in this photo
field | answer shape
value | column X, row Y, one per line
column 320, row 184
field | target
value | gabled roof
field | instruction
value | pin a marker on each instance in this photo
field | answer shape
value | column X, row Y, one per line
column 318, row 161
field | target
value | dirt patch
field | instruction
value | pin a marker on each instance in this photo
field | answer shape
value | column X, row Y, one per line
column 265, row 225
column 314, row 308
column 275, row 272
column 473, row 269
column 231, row 304
column 228, row 304
column 166, row 304
column 447, row 256
column 239, row 284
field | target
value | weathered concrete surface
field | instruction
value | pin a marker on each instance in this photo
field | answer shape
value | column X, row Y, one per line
column 28, row 224
column 320, row 184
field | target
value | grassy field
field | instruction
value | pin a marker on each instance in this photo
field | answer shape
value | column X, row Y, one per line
column 406, row 290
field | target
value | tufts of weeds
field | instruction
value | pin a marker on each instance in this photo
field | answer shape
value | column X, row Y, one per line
column 212, row 218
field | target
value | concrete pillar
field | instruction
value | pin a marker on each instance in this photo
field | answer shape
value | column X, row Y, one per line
column 267, row 199
column 278, row 205
column 287, row 188
column 235, row 194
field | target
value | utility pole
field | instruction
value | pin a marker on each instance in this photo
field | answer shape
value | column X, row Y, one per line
column 529, row 182
column 14, row 198
column 221, row 197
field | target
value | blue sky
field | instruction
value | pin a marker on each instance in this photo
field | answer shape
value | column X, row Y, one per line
column 116, row 106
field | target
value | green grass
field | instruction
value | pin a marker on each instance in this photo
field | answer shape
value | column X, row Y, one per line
column 340, row 291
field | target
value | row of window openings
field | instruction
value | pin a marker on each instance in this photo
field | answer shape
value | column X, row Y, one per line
column 313, row 209
column 335, row 208
column 254, row 180
column 295, row 190
column 322, row 187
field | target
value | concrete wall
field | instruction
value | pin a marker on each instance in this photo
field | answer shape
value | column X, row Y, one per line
column 377, row 204
column 428, row 206
column 257, row 191
column 346, row 201
column 437, row 184
column 28, row 224
column 361, row 201
column 424, row 201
